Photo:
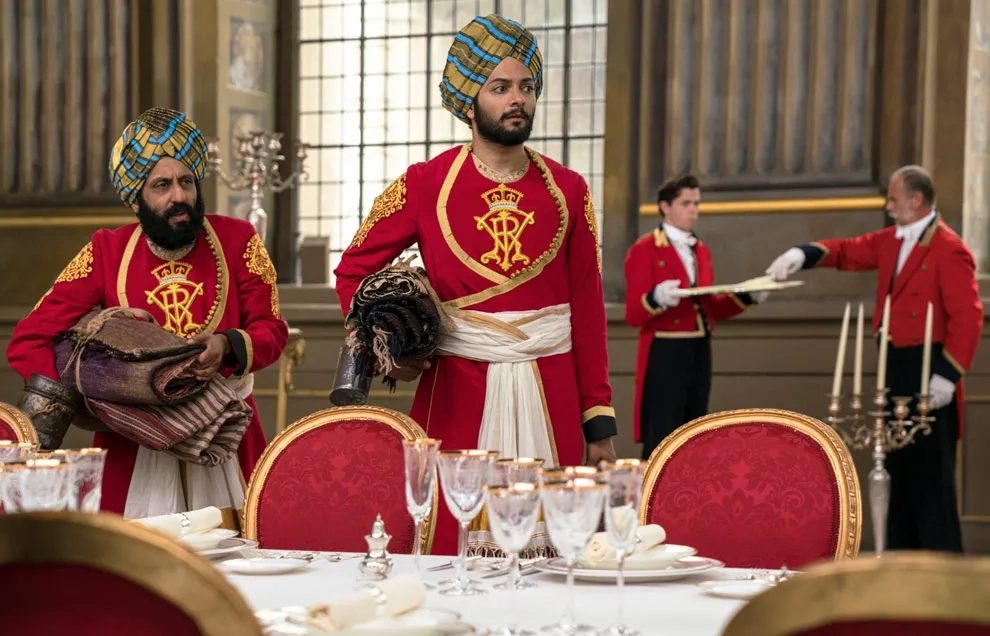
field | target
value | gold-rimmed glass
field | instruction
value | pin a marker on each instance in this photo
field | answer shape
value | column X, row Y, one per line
column 44, row 484
column 421, row 471
column 624, row 489
column 513, row 510
column 463, row 475
column 13, row 451
column 518, row 470
column 86, row 487
column 572, row 507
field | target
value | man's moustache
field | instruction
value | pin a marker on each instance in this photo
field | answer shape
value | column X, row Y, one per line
column 518, row 113
column 176, row 210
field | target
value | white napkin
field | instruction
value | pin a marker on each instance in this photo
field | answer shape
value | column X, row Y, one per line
column 402, row 594
column 599, row 548
column 202, row 520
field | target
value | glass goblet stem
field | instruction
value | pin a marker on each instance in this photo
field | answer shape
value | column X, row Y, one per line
column 569, row 617
column 462, row 548
column 620, row 555
column 514, row 576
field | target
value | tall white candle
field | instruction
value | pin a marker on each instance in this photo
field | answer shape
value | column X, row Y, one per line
column 926, row 360
column 840, row 356
column 858, row 370
column 882, row 361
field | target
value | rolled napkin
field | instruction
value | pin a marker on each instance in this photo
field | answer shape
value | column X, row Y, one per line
column 599, row 548
column 202, row 520
column 389, row 598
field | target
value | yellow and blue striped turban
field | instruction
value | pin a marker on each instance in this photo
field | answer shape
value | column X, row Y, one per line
column 477, row 50
column 156, row 133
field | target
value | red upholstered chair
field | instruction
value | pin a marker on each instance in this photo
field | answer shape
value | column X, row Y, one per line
column 97, row 574
column 15, row 426
column 756, row 488
column 321, row 482
column 902, row 594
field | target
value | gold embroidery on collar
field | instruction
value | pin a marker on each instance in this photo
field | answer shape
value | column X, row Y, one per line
column 175, row 295
column 259, row 264
column 589, row 215
column 505, row 223
column 390, row 201
column 496, row 176
column 170, row 255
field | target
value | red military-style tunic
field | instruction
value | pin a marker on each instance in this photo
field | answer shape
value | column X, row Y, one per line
column 651, row 260
column 225, row 284
column 940, row 270
column 542, row 252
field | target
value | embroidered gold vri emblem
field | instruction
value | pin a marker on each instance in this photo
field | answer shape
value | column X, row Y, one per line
column 505, row 223
column 174, row 295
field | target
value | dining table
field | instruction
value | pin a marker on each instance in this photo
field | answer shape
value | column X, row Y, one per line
column 678, row 607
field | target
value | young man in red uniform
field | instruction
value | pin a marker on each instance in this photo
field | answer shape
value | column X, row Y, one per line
column 919, row 260
column 204, row 277
column 509, row 242
column 674, row 354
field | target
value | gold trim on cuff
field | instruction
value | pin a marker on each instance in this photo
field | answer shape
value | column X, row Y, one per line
column 595, row 411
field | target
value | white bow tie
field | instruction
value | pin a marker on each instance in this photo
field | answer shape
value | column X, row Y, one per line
column 903, row 232
column 690, row 241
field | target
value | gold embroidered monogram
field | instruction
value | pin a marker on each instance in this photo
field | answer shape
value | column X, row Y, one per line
column 386, row 204
column 505, row 223
column 589, row 216
column 259, row 264
column 175, row 295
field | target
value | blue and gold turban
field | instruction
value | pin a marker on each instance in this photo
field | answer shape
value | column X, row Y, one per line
column 156, row 133
column 477, row 50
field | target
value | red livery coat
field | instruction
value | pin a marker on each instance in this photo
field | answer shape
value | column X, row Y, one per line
column 940, row 269
column 551, row 257
column 225, row 284
column 651, row 260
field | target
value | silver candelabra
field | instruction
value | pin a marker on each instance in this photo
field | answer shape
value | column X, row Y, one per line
column 257, row 170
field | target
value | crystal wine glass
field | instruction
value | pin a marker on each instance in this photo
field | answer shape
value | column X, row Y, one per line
column 44, row 485
column 519, row 470
column 464, row 474
column 623, row 493
column 572, row 508
column 421, row 473
column 86, row 487
column 512, row 513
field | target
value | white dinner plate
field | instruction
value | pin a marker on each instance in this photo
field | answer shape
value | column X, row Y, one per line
column 424, row 621
column 261, row 565
column 228, row 546
column 735, row 589
column 656, row 558
column 680, row 569
column 208, row 540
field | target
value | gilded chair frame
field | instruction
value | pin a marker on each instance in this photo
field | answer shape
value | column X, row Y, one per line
column 23, row 427
column 143, row 556
column 847, row 481
column 402, row 424
column 902, row 586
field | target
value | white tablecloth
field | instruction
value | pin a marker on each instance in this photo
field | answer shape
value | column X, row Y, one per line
column 676, row 608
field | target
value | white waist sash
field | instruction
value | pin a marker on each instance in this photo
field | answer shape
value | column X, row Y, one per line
column 156, row 482
column 515, row 421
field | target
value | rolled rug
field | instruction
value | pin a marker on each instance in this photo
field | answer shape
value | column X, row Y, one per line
column 389, row 598
column 394, row 314
column 182, row 523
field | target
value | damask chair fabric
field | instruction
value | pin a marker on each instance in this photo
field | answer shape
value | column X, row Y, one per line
column 322, row 482
column 97, row 574
column 15, row 425
column 903, row 594
column 755, row 488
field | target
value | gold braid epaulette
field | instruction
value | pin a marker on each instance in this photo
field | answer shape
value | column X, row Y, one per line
column 386, row 204
column 589, row 215
column 259, row 264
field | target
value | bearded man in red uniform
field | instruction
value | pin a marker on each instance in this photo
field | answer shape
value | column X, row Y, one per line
column 509, row 241
column 204, row 277
column 919, row 260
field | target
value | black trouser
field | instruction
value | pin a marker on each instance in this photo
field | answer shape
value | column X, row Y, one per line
column 676, row 387
column 923, row 513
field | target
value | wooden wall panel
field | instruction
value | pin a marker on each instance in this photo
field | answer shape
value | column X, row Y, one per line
column 767, row 93
column 67, row 90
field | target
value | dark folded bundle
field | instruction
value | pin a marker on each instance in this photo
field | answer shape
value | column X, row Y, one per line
column 394, row 314
column 132, row 374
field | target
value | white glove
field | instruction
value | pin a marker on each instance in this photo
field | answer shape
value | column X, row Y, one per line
column 941, row 392
column 667, row 294
column 759, row 297
column 786, row 264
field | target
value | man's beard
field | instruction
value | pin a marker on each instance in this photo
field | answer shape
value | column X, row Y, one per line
column 492, row 129
column 156, row 227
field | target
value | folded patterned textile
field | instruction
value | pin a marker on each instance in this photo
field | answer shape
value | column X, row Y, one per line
column 394, row 314
column 131, row 374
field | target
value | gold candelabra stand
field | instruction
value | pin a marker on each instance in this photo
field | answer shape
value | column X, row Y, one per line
column 257, row 170
column 875, row 431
